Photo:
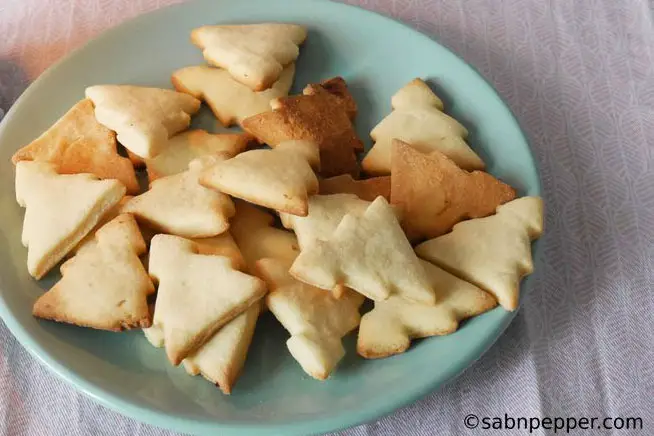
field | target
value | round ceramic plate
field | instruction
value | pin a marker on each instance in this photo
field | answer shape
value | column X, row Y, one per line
column 122, row 371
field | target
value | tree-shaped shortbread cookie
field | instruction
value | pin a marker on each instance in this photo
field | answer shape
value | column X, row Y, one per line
column 281, row 178
column 59, row 210
column 254, row 54
column 494, row 252
column 230, row 101
column 433, row 193
column 190, row 145
column 105, row 285
column 221, row 359
column 325, row 213
column 221, row 245
column 369, row 253
column 197, row 294
column 315, row 319
column 143, row 118
column 417, row 118
column 77, row 143
column 389, row 328
column 180, row 206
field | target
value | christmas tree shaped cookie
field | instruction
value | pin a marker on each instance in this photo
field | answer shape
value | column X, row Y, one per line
column 433, row 193
column 493, row 253
column 369, row 253
column 77, row 143
column 59, row 210
column 143, row 118
column 315, row 319
column 221, row 359
column 281, row 178
column 417, row 118
column 254, row 54
column 105, row 285
column 325, row 213
column 389, row 328
column 317, row 116
column 230, row 101
column 197, row 294
column 180, row 206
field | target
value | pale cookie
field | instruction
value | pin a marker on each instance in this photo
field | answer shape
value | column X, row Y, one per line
column 493, row 253
column 105, row 286
column 367, row 189
column 59, row 210
column 254, row 54
column 143, row 118
column 368, row 253
column 317, row 117
column 257, row 239
column 221, row 359
column 417, row 118
column 316, row 320
column 197, row 294
column 220, row 245
column 279, row 178
column 433, row 193
column 77, row 143
column 180, row 206
column 325, row 213
column 230, row 101
column 389, row 328
column 187, row 146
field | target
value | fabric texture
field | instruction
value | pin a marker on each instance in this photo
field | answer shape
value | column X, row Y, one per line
column 579, row 76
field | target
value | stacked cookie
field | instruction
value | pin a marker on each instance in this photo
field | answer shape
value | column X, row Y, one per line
column 196, row 257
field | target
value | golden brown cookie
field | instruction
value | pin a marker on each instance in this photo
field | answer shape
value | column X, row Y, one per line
column 337, row 87
column 76, row 144
column 433, row 193
column 320, row 118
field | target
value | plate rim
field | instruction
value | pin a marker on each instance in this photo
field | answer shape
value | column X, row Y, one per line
column 300, row 427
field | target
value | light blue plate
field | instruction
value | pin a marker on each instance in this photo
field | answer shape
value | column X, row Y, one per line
column 122, row 371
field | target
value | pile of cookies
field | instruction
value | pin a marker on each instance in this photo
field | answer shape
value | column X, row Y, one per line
column 228, row 228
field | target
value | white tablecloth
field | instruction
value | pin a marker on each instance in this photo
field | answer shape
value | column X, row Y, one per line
column 579, row 75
